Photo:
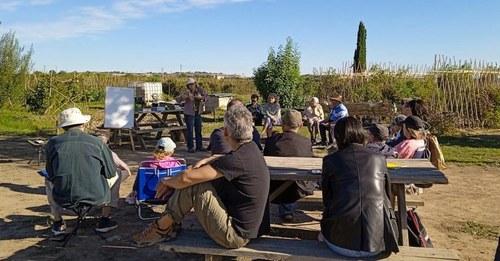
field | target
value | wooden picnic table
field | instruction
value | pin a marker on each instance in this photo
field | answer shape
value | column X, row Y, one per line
column 413, row 171
column 161, row 124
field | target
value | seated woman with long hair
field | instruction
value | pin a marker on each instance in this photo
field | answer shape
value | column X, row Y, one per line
column 358, row 220
column 414, row 138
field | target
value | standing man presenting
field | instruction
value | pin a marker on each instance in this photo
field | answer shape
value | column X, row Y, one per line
column 338, row 112
column 194, row 97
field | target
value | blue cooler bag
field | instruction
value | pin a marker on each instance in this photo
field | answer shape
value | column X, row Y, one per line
column 149, row 177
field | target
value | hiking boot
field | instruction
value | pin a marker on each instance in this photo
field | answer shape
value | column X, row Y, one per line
column 201, row 149
column 154, row 234
column 191, row 150
column 59, row 227
column 106, row 224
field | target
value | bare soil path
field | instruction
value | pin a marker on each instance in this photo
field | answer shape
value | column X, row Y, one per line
column 452, row 213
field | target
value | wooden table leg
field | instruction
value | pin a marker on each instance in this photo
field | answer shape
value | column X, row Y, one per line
column 280, row 189
column 403, row 225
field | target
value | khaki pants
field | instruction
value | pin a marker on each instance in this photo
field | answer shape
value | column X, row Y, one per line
column 209, row 210
column 114, row 186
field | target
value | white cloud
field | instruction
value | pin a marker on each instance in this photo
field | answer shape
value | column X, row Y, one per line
column 84, row 20
column 13, row 5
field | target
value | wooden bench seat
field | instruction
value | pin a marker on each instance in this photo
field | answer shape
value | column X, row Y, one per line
column 143, row 131
column 318, row 197
column 268, row 248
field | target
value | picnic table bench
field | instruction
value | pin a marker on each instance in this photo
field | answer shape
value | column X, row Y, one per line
column 272, row 248
column 414, row 171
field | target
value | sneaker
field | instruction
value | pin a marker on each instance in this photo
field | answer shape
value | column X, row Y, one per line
column 154, row 234
column 201, row 149
column 287, row 217
column 191, row 150
column 105, row 224
column 59, row 227
column 130, row 199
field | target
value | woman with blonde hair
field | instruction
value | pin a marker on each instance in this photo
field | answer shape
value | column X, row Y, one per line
column 413, row 131
column 162, row 158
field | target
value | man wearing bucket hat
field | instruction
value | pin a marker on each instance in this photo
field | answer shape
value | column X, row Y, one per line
column 80, row 166
column 338, row 112
column 194, row 97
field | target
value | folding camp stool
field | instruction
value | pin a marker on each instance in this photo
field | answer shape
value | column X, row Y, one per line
column 81, row 210
column 148, row 178
column 39, row 147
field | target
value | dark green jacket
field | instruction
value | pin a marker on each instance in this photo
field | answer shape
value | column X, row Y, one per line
column 79, row 165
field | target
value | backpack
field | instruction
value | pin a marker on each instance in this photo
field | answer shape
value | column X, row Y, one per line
column 417, row 234
column 436, row 155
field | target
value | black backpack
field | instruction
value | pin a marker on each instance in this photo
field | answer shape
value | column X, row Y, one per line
column 417, row 234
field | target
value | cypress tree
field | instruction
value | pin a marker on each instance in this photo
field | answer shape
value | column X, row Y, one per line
column 360, row 52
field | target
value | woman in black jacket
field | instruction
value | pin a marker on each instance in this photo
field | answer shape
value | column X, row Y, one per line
column 358, row 220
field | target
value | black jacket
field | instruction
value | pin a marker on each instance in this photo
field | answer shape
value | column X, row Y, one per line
column 356, row 190
column 290, row 144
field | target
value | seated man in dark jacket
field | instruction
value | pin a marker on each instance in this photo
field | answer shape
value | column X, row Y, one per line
column 358, row 220
column 290, row 144
column 80, row 168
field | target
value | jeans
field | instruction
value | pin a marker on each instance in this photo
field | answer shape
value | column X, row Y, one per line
column 285, row 209
column 323, row 129
column 193, row 121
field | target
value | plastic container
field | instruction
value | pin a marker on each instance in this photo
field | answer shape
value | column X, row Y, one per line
column 147, row 91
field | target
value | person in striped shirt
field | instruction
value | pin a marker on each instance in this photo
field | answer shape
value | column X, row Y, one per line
column 338, row 112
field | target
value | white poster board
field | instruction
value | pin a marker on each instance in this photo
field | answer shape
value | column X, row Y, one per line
column 119, row 107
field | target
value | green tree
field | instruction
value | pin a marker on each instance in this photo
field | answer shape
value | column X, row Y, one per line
column 360, row 52
column 15, row 65
column 280, row 74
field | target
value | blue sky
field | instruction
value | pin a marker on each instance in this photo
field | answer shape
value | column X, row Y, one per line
column 234, row 36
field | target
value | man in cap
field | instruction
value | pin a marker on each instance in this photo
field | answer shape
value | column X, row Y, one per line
column 338, row 112
column 377, row 136
column 290, row 144
column 194, row 97
column 397, row 130
column 79, row 166
column 313, row 116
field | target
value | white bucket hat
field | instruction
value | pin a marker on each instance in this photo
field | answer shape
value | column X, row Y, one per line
column 166, row 143
column 190, row 80
column 72, row 116
column 315, row 99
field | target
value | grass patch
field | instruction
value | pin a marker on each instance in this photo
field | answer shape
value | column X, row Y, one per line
column 24, row 123
column 479, row 230
column 482, row 150
column 475, row 229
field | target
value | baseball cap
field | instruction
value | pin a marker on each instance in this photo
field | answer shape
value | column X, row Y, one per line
column 166, row 143
column 379, row 131
column 414, row 122
column 399, row 120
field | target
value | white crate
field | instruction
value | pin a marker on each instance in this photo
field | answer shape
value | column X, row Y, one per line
column 148, row 91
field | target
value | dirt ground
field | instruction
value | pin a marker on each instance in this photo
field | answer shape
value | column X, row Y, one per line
column 452, row 213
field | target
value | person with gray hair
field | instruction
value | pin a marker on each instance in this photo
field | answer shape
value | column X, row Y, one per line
column 228, row 192
column 217, row 143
